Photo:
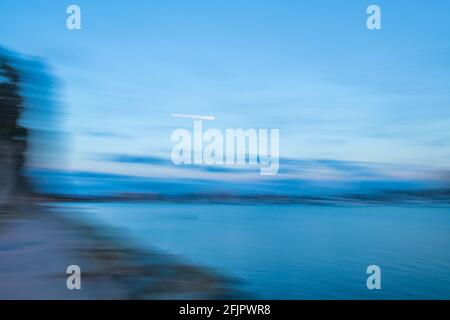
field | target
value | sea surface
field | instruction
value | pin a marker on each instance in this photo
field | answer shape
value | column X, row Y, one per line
column 297, row 251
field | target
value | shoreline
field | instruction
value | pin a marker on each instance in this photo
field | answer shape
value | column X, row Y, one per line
column 422, row 197
column 36, row 247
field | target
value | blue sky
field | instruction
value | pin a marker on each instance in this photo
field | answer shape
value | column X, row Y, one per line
column 335, row 89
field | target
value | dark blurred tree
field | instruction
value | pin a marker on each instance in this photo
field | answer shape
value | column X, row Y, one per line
column 13, row 135
column 11, row 103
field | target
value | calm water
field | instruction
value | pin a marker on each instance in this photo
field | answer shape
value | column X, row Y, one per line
column 300, row 252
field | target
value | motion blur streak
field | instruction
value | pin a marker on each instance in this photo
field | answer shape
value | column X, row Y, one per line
column 36, row 244
column 86, row 177
column 29, row 119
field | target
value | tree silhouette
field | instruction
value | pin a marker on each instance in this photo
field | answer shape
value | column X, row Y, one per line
column 13, row 135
